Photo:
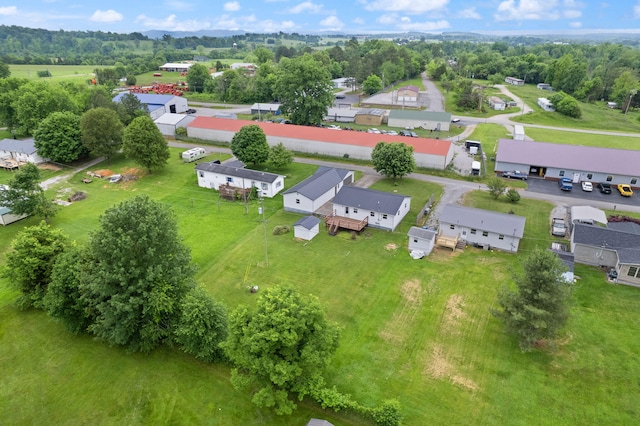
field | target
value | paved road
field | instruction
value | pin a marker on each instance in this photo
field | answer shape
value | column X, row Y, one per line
column 435, row 100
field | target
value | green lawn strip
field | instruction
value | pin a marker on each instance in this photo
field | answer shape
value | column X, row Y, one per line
column 584, row 139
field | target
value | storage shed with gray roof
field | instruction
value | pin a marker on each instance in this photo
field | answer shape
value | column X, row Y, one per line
column 579, row 163
column 482, row 227
column 316, row 190
column 430, row 120
column 383, row 210
column 213, row 175
column 306, row 228
column 370, row 116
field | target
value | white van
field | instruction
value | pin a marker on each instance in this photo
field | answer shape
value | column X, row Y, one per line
column 193, row 154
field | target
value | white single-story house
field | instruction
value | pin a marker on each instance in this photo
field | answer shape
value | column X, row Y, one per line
column 518, row 132
column 168, row 123
column 421, row 239
column 340, row 115
column 428, row 153
column 265, row 108
column 488, row 229
column 615, row 246
column 213, row 175
column 383, row 210
column 515, row 81
column 316, row 190
column 159, row 104
column 431, row 120
column 497, row 103
column 306, row 228
column 546, row 104
column 579, row 163
column 342, row 82
column 175, row 67
column 23, row 151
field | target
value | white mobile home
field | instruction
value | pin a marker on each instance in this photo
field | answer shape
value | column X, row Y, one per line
column 546, row 104
column 313, row 192
column 382, row 209
column 213, row 175
column 484, row 228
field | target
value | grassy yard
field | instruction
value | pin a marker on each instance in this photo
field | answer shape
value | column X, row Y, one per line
column 75, row 73
column 419, row 331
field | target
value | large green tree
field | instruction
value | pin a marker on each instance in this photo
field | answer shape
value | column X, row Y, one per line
column 393, row 160
column 539, row 306
column 372, row 84
column 281, row 347
column 280, row 156
column 30, row 261
column 250, row 145
column 25, row 196
column 4, row 70
column 129, row 107
column 197, row 76
column 36, row 100
column 58, row 137
column 304, row 89
column 143, row 142
column 101, row 132
column 137, row 274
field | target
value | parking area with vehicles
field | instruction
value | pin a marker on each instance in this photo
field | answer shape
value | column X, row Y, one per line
column 551, row 187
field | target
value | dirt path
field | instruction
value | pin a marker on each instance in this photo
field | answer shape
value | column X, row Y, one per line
column 60, row 178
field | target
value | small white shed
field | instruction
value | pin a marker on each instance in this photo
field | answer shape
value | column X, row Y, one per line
column 306, row 228
column 421, row 239
column 518, row 132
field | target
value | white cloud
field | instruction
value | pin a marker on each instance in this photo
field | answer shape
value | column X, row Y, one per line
column 8, row 10
column 306, row 6
column 106, row 16
column 572, row 14
column 332, row 23
column 636, row 10
column 406, row 6
column 231, row 6
column 510, row 10
column 469, row 13
column 388, row 19
column 575, row 24
column 171, row 23
column 358, row 21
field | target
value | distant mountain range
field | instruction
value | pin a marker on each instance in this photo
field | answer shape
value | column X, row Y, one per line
column 157, row 34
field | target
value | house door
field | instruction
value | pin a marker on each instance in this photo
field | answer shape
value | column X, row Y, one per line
column 576, row 177
column 172, row 109
column 346, row 210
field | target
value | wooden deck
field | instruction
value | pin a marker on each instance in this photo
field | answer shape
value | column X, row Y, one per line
column 11, row 164
column 335, row 223
column 444, row 241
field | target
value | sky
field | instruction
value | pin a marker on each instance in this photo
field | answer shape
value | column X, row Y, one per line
column 310, row 16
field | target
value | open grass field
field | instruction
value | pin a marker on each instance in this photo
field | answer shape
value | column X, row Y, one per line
column 420, row 331
column 75, row 73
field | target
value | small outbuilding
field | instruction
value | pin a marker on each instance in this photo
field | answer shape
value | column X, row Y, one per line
column 429, row 120
column 7, row 217
column 497, row 103
column 518, row 132
column 306, row 228
column 265, row 108
column 168, row 123
column 158, row 104
column 340, row 115
column 421, row 239
column 515, row 81
column 370, row 116
column 408, row 94
column 175, row 67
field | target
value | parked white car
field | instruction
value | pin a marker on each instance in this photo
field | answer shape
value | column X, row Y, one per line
column 373, row 130
column 587, row 186
column 334, row 127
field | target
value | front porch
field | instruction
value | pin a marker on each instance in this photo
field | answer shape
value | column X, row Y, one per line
column 335, row 223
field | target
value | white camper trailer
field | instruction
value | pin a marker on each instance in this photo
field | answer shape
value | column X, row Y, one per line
column 193, row 154
column 475, row 167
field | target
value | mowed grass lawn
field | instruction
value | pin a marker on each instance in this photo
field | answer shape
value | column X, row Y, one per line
column 420, row 331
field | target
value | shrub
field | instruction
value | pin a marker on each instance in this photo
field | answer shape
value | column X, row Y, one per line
column 513, row 195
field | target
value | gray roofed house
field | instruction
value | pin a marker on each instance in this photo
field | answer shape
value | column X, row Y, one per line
column 483, row 228
column 382, row 209
column 590, row 163
column 22, row 150
column 316, row 190
column 213, row 175
column 615, row 246
column 425, row 119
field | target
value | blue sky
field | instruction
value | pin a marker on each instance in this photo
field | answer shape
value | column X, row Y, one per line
column 306, row 16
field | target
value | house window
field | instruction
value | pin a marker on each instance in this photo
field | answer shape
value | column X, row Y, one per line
column 373, row 214
column 415, row 240
column 609, row 178
column 278, row 184
column 201, row 174
column 452, row 227
column 633, row 271
column 384, row 216
column 633, row 181
column 561, row 173
column 264, row 186
column 297, row 200
column 355, row 210
column 501, row 237
column 589, row 176
column 229, row 180
column 473, row 231
column 485, row 233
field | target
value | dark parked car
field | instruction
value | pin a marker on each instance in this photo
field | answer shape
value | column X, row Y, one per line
column 340, row 96
column 191, row 111
column 604, row 187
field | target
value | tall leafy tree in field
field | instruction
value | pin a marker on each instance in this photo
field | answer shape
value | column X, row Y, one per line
column 393, row 160
column 30, row 261
column 9, row 90
column 130, row 108
column 372, row 84
column 4, row 70
column 250, row 145
column 58, row 138
column 137, row 274
column 101, row 132
column 280, row 156
column 539, row 306
column 496, row 187
column 197, row 76
column 36, row 100
column 304, row 89
column 143, row 142
column 25, row 196
column 281, row 347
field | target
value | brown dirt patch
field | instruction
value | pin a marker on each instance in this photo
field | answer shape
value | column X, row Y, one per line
column 133, row 171
column 453, row 313
column 103, row 172
column 49, row 166
column 439, row 366
column 464, row 383
column 412, row 292
column 391, row 246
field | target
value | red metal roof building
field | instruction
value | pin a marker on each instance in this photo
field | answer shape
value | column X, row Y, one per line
column 429, row 153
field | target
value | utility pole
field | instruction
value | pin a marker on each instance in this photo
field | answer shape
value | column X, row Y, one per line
column 264, row 229
column 632, row 93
